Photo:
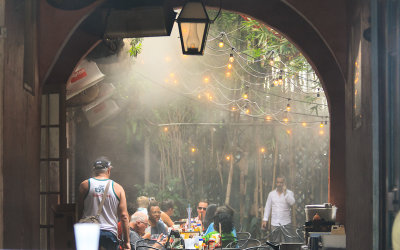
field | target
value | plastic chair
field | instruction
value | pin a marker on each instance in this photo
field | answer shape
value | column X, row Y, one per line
column 286, row 234
column 146, row 243
column 146, row 247
column 259, row 248
column 243, row 243
column 243, row 235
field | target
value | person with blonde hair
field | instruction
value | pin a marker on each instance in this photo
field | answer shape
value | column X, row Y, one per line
column 142, row 203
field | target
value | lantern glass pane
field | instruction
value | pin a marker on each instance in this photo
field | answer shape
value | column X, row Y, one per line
column 192, row 35
column 201, row 27
column 185, row 33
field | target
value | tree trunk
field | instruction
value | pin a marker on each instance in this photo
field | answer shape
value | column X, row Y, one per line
column 275, row 163
column 219, row 167
column 243, row 167
column 255, row 195
column 147, row 160
column 229, row 185
column 260, row 180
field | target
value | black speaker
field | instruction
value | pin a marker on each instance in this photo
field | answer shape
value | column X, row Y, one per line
column 142, row 21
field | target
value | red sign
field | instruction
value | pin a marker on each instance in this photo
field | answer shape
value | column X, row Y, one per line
column 77, row 75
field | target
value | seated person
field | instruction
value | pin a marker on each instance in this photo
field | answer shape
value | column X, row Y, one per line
column 224, row 217
column 157, row 227
column 167, row 210
column 209, row 218
column 138, row 225
column 131, row 210
column 142, row 203
column 201, row 211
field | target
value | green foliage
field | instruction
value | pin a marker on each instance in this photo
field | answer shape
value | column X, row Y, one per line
column 265, row 41
column 136, row 47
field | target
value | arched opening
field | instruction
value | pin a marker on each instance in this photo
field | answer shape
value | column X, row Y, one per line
column 295, row 28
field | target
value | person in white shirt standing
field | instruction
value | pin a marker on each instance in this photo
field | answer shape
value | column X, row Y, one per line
column 278, row 205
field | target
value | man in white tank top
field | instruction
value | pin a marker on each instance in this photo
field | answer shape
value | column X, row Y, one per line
column 91, row 193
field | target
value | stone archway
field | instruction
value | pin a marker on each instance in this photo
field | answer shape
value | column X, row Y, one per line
column 59, row 54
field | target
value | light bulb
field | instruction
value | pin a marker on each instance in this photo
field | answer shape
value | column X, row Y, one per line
column 262, row 150
column 304, row 124
column 228, row 157
column 229, row 66
column 165, row 129
column 221, row 43
column 193, row 41
column 247, row 111
column 288, row 107
column 321, row 125
column 193, row 149
column 228, row 74
column 268, row 118
column 231, row 58
column 245, row 96
column 271, row 62
column 206, row 79
column 233, row 108
column 289, row 131
column 285, row 120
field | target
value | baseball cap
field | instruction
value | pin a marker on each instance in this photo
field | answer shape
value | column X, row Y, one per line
column 101, row 164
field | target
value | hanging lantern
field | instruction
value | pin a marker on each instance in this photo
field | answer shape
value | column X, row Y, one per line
column 193, row 23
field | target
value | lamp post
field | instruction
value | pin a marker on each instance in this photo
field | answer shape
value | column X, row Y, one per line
column 193, row 23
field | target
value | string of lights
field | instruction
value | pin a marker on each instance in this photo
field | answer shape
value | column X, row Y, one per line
column 249, row 91
column 264, row 76
column 244, row 111
column 230, row 101
column 299, row 87
column 258, row 90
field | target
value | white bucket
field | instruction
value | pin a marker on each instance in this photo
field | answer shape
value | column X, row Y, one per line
column 87, row 236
